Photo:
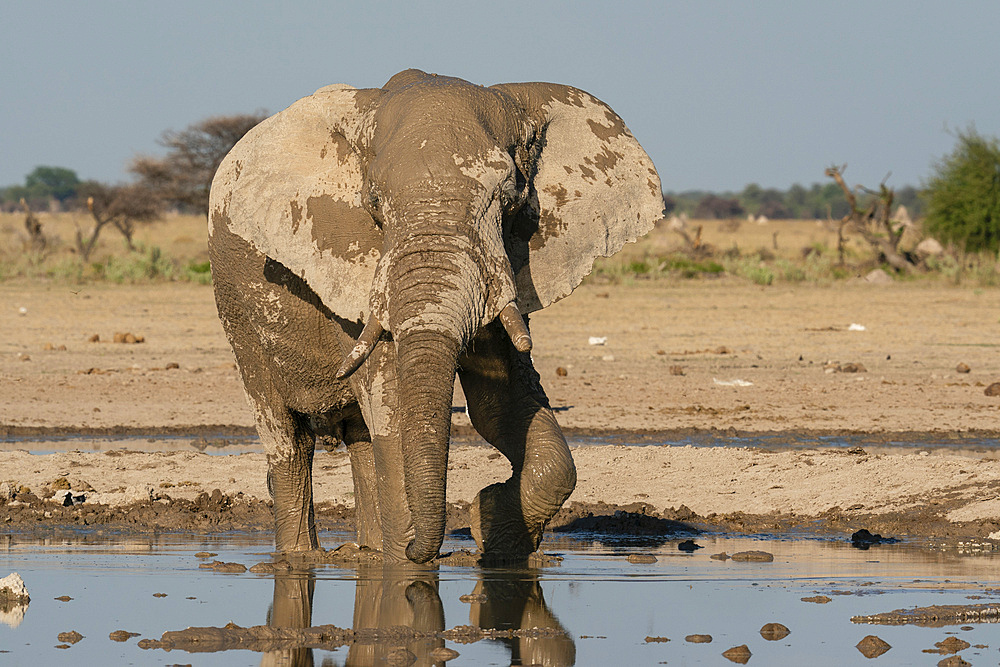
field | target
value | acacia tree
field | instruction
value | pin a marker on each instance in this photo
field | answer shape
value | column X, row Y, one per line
column 184, row 175
column 963, row 196
column 121, row 206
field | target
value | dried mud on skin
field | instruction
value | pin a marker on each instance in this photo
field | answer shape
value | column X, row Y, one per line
column 262, row 638
column 935, row 616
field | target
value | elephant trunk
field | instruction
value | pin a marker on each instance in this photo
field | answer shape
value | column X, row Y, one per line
column 427, row 361
column 433, row 310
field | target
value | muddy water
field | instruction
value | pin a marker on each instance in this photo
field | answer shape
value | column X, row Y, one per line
column 595, row 607
column 214, row 443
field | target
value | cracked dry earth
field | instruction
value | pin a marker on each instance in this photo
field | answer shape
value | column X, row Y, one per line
column 706, row 362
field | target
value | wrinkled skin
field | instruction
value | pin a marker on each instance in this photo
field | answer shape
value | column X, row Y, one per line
column 367, row 245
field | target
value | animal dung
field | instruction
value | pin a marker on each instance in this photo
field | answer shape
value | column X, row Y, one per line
column 128, row 338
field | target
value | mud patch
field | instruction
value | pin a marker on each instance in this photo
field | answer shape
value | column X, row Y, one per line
column 936, row 616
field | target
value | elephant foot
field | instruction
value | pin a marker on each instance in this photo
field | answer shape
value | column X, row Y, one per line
column 498, row 524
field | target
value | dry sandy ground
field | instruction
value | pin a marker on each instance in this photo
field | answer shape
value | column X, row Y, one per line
column 712, row 359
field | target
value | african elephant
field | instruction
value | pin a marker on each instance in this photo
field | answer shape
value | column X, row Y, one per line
column 434, row 212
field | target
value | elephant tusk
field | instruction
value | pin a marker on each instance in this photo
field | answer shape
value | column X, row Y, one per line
column 366, row 343
column 512, row 321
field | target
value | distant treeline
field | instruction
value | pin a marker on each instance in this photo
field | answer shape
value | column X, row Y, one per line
column 58, row 188
column 797, row 202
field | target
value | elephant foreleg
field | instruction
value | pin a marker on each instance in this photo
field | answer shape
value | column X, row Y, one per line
column 510, row 410
column 382, row 474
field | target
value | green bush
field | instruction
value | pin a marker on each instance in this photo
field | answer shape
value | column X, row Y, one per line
column 141, row 266
column 963, row 196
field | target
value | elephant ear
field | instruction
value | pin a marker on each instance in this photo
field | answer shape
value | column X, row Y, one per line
column 593, row 190
column 292, row 188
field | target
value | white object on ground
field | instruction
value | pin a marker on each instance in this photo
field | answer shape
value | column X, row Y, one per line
column 732, row 383
column 856, row 327
column 16, row 589
column 597, row 340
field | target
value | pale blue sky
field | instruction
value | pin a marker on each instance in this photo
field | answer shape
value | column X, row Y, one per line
column 721, row 94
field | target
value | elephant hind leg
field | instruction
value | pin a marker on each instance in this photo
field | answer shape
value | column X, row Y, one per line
column 289, row 444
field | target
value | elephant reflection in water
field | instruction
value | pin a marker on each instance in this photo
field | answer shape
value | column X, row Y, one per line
column 388, row 599
column 514, row 600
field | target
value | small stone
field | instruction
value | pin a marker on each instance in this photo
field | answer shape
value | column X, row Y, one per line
column 657, row 640
column 993, row 389
column 698, row 639
column 962, row 368
column 59, row 484
column 753, row 556
column 562, row 372
column 268, row 567
column 159, row 595
column 723, row 556
column 12, row 589
column 205, row 554
column 954, row 661
column 677, row 370
column 772, row 632
column 173, row 365
column 63, row 598
column 872, row 646
column 641, row 559
column 951, row 645
column 689, row 546
column 473, row 598
column 122, row 635
column 738, row 654
column 96, row 338
column 71, row 637
column 219, row 566
column 818, row 599
column 851, row 368
column 878, row 277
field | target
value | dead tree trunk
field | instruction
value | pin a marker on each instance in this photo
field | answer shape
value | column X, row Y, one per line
column 872, row 223
column 33, row 225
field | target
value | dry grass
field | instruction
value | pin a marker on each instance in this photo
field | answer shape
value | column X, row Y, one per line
column 175, row 248
column 776, row 251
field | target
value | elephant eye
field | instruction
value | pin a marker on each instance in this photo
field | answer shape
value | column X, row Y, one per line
column 373, row 204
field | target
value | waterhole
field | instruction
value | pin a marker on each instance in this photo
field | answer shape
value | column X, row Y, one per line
column 608, row 601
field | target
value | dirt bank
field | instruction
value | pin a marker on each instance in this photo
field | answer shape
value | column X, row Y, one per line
column 695, row 358
column 632, row 489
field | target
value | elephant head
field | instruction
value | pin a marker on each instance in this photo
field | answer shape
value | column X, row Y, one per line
column 429, row 208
